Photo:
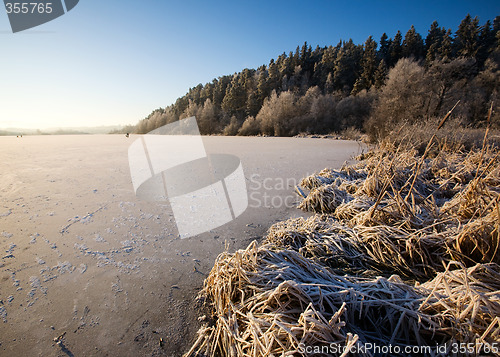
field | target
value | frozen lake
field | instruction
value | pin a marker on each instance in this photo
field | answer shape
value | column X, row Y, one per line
column 82, row 255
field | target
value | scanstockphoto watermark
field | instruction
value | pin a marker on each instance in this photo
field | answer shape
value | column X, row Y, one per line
column 451, row 349
column 204, row 191
column 273, row 192
column 24, row 15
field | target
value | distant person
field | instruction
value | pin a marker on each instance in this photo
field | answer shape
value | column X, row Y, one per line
column 127, row 135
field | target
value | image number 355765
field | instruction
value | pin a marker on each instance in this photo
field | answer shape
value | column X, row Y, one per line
column 28, row 7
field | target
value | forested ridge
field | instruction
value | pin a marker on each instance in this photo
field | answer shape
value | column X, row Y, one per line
column 369, row 86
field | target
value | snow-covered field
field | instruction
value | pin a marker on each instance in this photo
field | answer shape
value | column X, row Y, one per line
column 81, row 255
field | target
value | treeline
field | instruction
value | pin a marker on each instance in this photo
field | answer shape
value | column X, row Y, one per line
column 367, row 86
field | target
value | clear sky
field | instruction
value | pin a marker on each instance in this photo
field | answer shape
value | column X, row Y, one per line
column 112, row 62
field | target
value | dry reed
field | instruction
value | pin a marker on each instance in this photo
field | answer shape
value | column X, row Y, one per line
column 403, row 250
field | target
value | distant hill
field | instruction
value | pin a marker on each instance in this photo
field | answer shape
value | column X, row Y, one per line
column 105, row 129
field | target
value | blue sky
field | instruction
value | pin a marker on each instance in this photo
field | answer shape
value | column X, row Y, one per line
column 113, row 62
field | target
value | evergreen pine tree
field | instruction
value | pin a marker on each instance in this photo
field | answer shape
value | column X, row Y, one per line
column 234, row 102
column 466, row 41
column 347, row 66
column 253, row 104
column 368, row 65
column 296, row 57
column 206, row 92
column 380, row 74
column 262, row 85
column 305, row 55
column 434, row 35
column 486, row 43
column 274, row 79
column 285, row 65
column 413, row 45
column 328, row 61
column 396, row 49
column 433, row 42
column 318, row 78
column 446, row 49
column 194, row 93
column 329, row 84
column 220, row 87
column 384, row 49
